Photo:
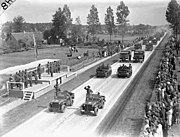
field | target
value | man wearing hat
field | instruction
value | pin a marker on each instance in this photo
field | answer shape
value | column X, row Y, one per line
column 89, row 91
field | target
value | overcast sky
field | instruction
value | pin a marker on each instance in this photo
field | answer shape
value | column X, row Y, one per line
column 150, row 12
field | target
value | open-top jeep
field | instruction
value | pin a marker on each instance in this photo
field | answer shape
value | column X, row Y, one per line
column 61, row 100
column 93, row 102
column 139, row 56
column 149, row 47
column 137, row 46
column 125, row 56
column 103, row 71
column 124, row 71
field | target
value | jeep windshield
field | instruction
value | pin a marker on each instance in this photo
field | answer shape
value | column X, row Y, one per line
column 138, row 52
column 61, row 96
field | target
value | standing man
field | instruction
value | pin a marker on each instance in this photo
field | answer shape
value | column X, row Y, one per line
column 35, row 76
column 11, row 79
column 89, row 92
column 51, row 69
column 48, row 67
column 39, row 71
column 25, row 79
column 30, row 78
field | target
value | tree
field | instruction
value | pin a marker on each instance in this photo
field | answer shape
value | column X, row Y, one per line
column 68, row 22
column 59, row 25
column 109, row 21
column 122, row 13
column 46, row 34
column 18, row 23
column 93, row 21
column 77, row 32
column 6, row 30
column 173, row 15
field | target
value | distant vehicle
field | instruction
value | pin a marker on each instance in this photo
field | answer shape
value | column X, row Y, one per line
column 145, row 41
column 93, row 102
column 154, row 41
column 61, row 101
column 149, row 47
column 125, row 56
column 104, row 71
column 124, row 71
column 139, row 56
column 137, row 46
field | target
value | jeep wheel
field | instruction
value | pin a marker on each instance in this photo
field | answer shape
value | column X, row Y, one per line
column 81, row 110
column 102, row 105
column 50, row 110
column 63, row 107
column 95, row 111
column 71, row 102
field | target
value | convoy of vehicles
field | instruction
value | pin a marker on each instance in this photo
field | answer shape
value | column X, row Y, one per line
column 94, row 102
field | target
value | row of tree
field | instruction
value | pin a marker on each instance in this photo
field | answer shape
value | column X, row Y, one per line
column 64, row 29
column 173, row 16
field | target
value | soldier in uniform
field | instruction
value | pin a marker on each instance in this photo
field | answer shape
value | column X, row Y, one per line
column 130, row 66
column 39, row 71
column 25, row 79
column 22, row 79
column 48, row 67
column 51, row 69
column 57, row 88
column 11, row 79
column 30, row 78
column 56, row 66
column 59, row 66
column 16, row 78
column 35, row 76
column 89, row 91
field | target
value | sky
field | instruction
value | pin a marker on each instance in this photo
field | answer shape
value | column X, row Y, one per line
column 150, row 12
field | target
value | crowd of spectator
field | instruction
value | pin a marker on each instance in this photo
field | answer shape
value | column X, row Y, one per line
column 162, row 113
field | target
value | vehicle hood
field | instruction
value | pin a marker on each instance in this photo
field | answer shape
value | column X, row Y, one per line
column 91, row 103
column 58, row 101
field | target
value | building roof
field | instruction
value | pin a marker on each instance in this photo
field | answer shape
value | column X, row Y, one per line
column 28, row 36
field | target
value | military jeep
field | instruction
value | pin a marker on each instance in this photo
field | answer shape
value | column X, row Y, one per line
column 103, row 71
column 125, row 56
column 124, row 71
column 139, row 56
column 93, row 102
column 149, row 47
column 61, row 100
column 137, row 46
column 154, row 41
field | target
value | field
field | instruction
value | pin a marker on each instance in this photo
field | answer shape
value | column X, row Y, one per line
column 118, row 37
column 19, row 58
